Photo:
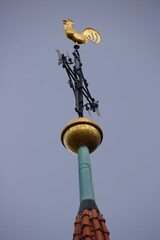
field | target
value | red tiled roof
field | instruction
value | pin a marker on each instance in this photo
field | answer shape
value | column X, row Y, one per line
column 90, row 225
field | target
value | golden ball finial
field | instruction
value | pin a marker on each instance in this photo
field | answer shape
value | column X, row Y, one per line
column 81, row 132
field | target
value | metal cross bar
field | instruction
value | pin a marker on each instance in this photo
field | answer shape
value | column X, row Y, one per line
column 77, row 82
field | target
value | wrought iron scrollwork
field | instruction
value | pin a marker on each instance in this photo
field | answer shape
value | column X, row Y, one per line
column 77, row 82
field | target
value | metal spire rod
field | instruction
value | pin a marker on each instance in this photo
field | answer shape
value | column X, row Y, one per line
column 77, row 82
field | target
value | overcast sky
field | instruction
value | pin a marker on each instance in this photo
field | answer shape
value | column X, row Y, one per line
column 39, row 195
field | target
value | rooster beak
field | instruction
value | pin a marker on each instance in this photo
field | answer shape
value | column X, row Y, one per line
column 64, row 21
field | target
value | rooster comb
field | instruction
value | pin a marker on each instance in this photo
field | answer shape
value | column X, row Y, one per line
column 68, row 20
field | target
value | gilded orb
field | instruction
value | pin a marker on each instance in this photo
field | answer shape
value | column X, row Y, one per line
column 81, row 132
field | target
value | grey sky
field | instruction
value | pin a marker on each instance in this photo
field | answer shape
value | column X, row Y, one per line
column 38, row 176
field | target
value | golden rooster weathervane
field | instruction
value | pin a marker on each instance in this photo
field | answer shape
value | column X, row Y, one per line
column 77, row 81
column 88, row 34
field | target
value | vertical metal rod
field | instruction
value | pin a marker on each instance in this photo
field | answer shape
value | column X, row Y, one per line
column 78, row 88
column 85, row 174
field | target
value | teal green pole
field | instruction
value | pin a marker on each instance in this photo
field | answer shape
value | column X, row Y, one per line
column 85, row 174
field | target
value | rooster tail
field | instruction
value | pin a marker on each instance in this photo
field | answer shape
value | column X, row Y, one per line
column 92, row 35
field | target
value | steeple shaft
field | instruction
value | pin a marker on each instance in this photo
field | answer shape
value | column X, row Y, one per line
column 85, row 175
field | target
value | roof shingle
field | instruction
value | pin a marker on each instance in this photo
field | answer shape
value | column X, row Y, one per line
column 90, row 225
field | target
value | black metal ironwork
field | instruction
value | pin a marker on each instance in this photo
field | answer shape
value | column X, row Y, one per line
column 77, row 82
